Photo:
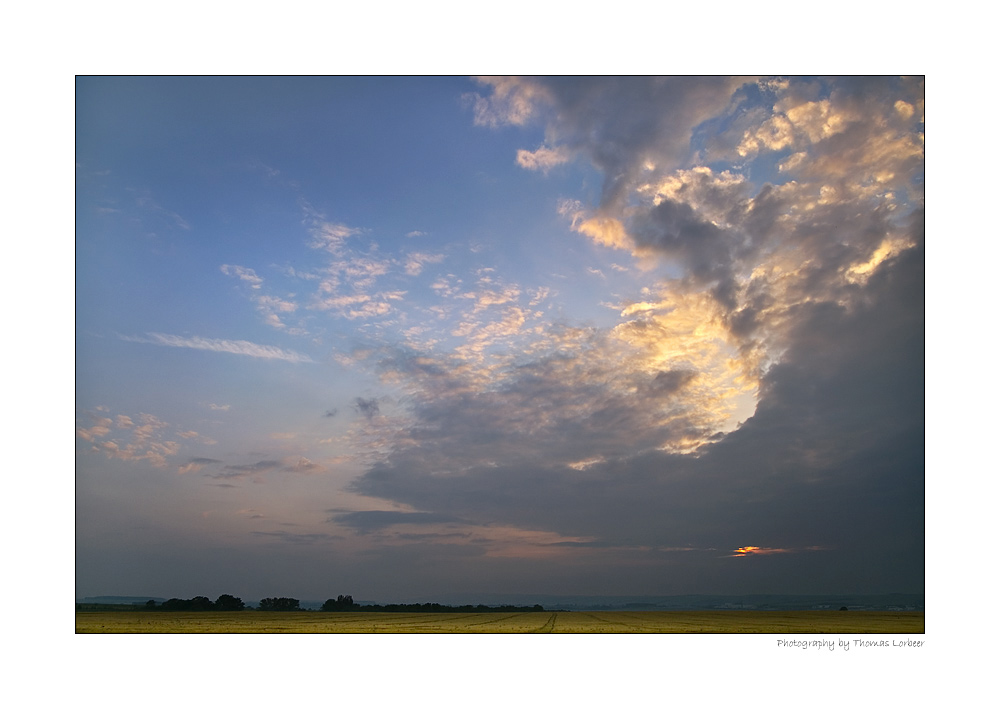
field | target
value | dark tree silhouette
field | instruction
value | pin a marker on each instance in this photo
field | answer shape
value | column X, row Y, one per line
column 225, row 602
column 201, row 603
column 176, row 604
column 343, row 603
column 279, row 604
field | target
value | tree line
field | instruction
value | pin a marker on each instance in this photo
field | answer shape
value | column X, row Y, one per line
column 226, row 602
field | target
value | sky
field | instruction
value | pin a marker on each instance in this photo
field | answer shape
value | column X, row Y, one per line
column 402, row 338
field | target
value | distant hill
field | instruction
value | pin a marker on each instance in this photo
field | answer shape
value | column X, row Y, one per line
column 890, row 601
column 119, row 600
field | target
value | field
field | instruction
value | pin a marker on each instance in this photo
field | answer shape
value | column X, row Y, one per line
column 838, row 622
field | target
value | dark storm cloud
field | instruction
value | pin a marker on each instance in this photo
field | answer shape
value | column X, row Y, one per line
column 707, row 251
column 330, row 413
column 833, row 457
column 818, row 281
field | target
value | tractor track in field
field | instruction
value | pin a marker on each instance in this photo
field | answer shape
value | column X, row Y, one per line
column 549, row 626
column 494, row 620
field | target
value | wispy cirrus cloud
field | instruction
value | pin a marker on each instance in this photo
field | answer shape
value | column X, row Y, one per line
column 243, row 273
column 146, row 202
column 238, row 347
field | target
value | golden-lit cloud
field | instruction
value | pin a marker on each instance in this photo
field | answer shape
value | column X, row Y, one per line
column 607, row 231
column 759, row 551
column 513, row 100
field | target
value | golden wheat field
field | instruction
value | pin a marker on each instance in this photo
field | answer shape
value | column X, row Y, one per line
column 538, row 622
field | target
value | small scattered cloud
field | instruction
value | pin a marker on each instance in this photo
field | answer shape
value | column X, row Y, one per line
column 244, row 274
column 145, row 441
column 543, row 159
column 304, row 466
column 513, row 101
column 195, row 465
column 415, row 262
column 366, row 407
column 100, row 428
column 331, row 236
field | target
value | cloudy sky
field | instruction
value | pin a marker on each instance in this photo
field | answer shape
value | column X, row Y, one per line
column 401, row 338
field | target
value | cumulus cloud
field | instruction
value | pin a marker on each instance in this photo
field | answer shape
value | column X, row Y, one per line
column 771, row 381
